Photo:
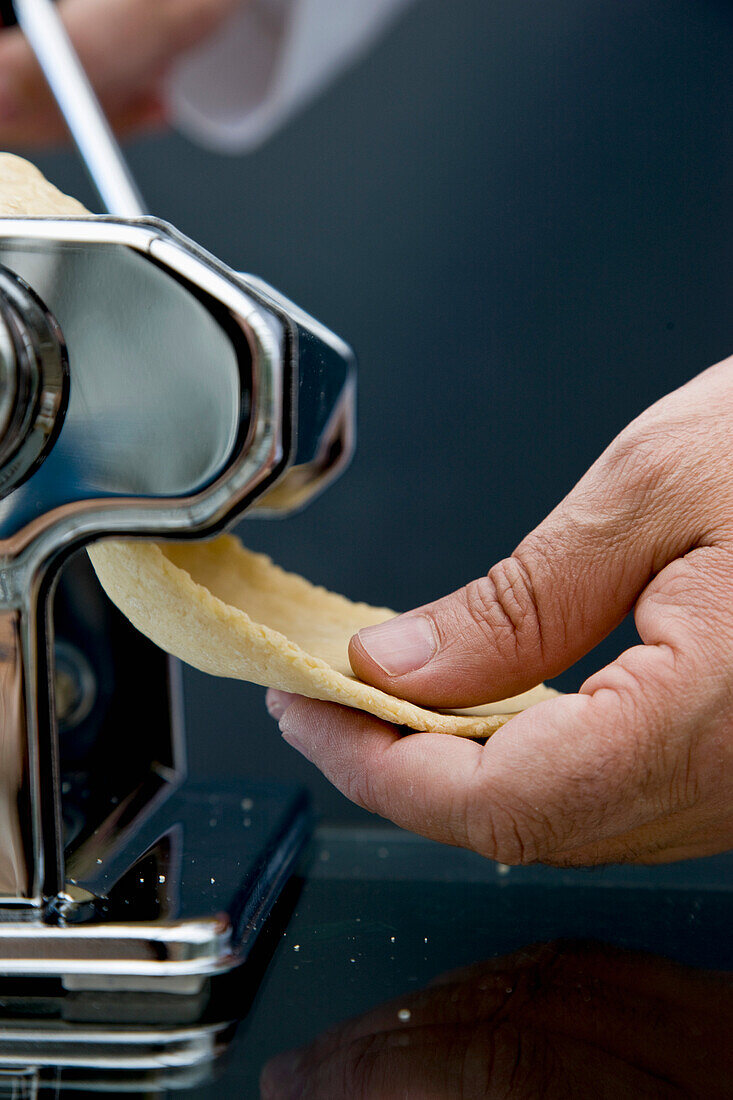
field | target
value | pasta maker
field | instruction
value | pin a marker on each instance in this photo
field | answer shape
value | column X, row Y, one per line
column 146, row 390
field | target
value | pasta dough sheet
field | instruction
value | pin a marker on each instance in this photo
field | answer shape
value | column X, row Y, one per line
column 26, row 193
column 230, row 612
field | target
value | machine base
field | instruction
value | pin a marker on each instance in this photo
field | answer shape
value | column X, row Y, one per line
column 179, row 901
column 100, row 1059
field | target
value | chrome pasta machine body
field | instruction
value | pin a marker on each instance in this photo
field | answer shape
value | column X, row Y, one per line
column 146, row 391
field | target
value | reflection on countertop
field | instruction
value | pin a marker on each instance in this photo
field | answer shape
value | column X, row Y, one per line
column 396, row 967
column 552, row 1020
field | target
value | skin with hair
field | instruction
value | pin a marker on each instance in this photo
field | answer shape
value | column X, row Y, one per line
column 638, row 764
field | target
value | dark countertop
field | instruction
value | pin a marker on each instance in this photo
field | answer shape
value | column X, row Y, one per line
column 613, row 982
column 379, row 914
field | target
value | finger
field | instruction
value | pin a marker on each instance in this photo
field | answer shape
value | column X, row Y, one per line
column 30, row 116
column 645, row 502
column 127, row 40
column 639, row 762
column 145, row 114
column 419, row 781
column 625, row 758
column 29, row 128
column 277, row 702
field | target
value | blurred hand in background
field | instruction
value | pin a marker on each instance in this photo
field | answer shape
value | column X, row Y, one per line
column 126, row 47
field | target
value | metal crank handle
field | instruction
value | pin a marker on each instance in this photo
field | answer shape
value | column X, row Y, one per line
column 87, row 123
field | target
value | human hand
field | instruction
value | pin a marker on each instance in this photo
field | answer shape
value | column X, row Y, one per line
column 555, row 1020
column 126, row 47
column 638, row 765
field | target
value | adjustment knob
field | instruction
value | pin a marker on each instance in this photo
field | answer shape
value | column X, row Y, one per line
column 33, row 380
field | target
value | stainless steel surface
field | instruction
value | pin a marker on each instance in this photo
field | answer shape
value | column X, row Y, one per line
column 74, row 94
column 8, row 386
column 16, row 862
column 138, row 390
column 70, row 495
column 30, row 849
column 34, row 368
column 146, row 390
column 325, row 411
column 138, row 1049
column 49, row 1082
column 191, row 393
column 264, row 331
column 178, row 901
column 74, row 686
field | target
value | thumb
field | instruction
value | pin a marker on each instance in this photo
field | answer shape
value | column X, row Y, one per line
column 525, row 621
column 566, row 586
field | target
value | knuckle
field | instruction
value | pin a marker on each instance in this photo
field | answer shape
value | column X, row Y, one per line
column 505, row 830
column 654, row 761
column 358, row 786
column 455, row 823
column 644, row 458
column 505, row 603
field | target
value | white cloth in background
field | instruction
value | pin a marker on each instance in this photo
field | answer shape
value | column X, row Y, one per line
column 266, row 62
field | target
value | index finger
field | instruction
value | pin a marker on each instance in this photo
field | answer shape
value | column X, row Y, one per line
column 417, row 780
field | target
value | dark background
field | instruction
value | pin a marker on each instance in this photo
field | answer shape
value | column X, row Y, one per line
column 519, row 212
